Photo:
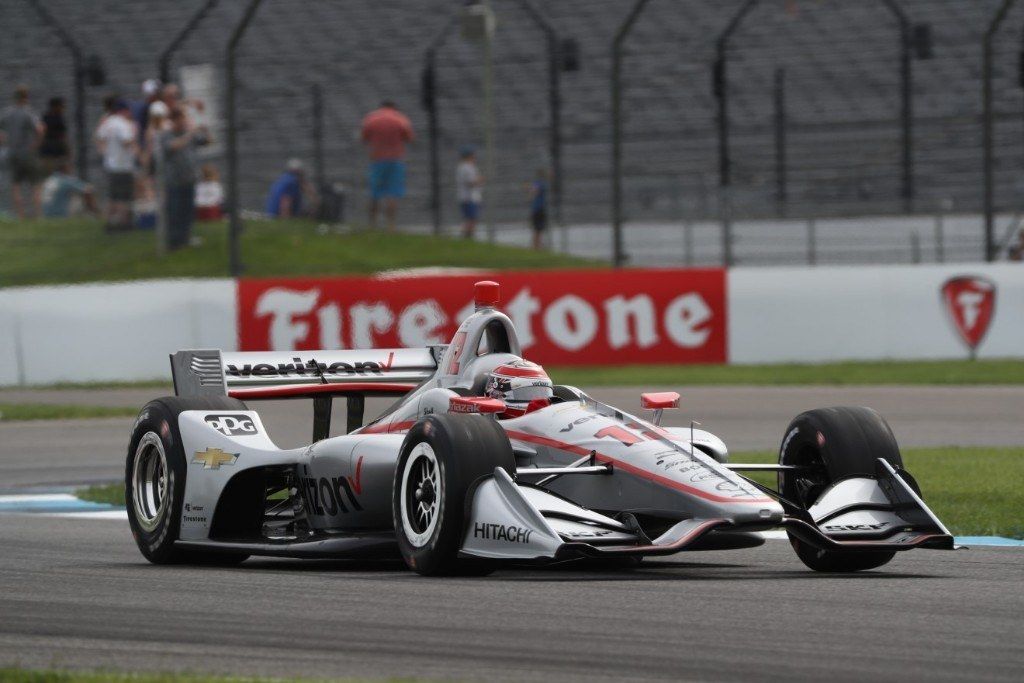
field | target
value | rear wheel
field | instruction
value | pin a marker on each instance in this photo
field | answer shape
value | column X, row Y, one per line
column 441, row 458
column 834, row 444
column 155, row 471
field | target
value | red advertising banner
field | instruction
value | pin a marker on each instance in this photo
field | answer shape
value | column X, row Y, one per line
column 570, row 317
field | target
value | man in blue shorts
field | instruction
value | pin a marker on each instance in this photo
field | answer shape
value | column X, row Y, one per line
column 386, row 131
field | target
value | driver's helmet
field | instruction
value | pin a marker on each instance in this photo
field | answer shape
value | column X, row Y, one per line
column 522, row 385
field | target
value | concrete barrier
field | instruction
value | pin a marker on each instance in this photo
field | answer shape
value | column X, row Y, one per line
column 110, row 332
column 808, row 315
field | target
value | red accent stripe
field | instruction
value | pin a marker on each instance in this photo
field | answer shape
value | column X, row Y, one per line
column 632, row 469
column 309, row 390
column 386, row 427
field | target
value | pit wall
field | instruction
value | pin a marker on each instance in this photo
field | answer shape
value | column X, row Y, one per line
column 124, row 331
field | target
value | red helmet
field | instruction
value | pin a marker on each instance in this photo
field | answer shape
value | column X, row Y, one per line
column 519, row 383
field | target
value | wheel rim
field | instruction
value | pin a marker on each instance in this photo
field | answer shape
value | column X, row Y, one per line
column 421, row 494
column 150, row 482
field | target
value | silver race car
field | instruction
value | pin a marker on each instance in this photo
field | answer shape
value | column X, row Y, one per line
column 483, row 461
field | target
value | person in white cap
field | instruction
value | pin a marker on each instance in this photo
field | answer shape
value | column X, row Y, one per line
column 286, row 194
column 141, row 108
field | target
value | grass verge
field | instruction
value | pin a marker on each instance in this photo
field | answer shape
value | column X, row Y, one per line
column 10, row 412
column 945, row 372
column 77, row 250
column 16, row 675
column 109, row 494
column 909, row 373
column 974, row 491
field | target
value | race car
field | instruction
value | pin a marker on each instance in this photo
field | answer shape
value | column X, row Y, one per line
column 483, row 461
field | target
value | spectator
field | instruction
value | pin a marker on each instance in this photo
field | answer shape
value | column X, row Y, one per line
column 178, row 152
column 108, row 108
column 386, row 131
column 286, row 193
column 115, row 139
column 141, row 109
column 54, row 149
column 150, row 151
column 21, row 132
column 539, row 206
column 209, row 195
column 170, row 95
column 61, row 187
column 1016, row 251
column 468, row 190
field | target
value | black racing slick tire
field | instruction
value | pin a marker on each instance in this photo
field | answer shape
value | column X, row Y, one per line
column 155, row 470
column 441, row 459
column 834, row 444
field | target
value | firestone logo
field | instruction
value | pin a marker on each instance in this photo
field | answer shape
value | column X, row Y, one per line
column 970, row 303
column 570, row 322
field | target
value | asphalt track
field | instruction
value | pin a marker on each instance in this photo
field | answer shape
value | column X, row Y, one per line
column 76, row 593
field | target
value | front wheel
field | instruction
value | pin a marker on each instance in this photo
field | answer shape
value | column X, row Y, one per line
column 833, row 444
column 154, row 482
column 441, row 458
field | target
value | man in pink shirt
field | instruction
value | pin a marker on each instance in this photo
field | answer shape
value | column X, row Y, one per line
column 385, row 133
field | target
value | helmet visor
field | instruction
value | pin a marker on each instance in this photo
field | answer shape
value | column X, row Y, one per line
column 526, row 394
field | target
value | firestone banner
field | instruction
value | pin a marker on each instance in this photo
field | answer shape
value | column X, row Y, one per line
column 572, row 317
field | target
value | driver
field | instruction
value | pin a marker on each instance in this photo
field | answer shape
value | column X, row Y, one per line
column 522, row 385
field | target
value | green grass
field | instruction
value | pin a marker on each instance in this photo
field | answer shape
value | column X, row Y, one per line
column 851, row 373
column 10, row 412
column 17, row 675
column 974, row 491
column 949, row 372
column 110, row 494
column 77, row 250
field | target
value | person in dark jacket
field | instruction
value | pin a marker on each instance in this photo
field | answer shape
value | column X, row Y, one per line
column 54, row 150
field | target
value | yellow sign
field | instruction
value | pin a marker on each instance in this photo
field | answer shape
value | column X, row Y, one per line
column 213, row 458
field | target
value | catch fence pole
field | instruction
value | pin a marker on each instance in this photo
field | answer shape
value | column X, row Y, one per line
column 906, row 104
column 318, row 136
column 618, row 254
column 164, row 63
column 720, row 88
column 720, row 84
column 812, row 242
column 986, row 128
column 428, row 100
column 780, row 140
column 234, row 200
column 554, row 102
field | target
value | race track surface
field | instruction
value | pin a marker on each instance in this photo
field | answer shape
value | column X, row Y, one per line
column 76, row 593
column 70, row 452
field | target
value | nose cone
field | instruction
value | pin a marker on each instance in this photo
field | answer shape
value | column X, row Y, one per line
column 707, row 489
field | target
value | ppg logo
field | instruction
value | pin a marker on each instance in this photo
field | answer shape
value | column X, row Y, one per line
column 232, row 425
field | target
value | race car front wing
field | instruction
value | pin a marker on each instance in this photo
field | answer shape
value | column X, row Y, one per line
column 512, row 521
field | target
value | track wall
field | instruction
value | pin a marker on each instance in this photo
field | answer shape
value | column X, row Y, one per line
column 124, row 331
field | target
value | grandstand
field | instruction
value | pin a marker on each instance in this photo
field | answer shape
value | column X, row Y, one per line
column 841, row 61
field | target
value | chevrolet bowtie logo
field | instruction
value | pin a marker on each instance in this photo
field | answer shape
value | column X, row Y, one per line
column 213, row 458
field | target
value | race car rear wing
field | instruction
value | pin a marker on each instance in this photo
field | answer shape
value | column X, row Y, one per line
column 304, row 374
column 300, row 374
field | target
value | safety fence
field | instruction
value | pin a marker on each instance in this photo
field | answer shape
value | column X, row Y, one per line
column 639, row 111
